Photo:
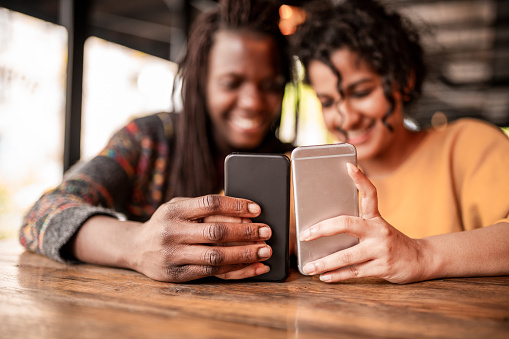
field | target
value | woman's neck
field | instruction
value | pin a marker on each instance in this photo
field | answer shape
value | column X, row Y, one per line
column 389, row 161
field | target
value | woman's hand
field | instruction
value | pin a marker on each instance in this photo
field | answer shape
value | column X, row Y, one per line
column 382, row 250
column 187, row 239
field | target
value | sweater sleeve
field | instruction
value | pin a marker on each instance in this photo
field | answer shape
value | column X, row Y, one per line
column 99, row 187
column 481, row 180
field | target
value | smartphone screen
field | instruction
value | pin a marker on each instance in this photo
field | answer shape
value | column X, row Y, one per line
column 265, row 179
column 323, row 189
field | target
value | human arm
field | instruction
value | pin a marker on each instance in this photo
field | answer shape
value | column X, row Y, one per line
column 385, row 252
column 175, row 245
column 101, row 186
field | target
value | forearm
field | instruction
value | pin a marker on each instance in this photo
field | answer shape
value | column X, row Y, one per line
column 480, row 252
column 106, row 241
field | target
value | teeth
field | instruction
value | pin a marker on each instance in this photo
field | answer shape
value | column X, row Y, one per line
column 355, row 136
column 246, row 123
column 357, row 133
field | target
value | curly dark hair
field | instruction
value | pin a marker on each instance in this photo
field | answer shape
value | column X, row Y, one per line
column 385, row 40
column 193, row 172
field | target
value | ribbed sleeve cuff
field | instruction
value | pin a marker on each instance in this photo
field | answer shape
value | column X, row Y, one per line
column 65, row 225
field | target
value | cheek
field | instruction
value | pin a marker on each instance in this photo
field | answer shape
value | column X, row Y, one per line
column 375, row 106
column 218, row 102
column 329, row 117
column 273, row 104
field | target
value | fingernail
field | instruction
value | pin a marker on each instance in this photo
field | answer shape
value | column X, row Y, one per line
column 253, row 208
column 262, row 270
column 309, row 268
column 264, row 232
column 326, row 277
column 264, row 252
column 305, row 235
column 352, row 167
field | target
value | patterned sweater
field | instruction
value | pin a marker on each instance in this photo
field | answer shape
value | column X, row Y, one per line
column 128, row 179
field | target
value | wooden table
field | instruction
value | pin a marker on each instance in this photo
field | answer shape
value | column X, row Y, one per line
column 40, row 298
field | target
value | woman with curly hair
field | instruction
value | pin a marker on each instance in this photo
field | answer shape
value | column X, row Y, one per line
column 148, row 201
column 434, row 203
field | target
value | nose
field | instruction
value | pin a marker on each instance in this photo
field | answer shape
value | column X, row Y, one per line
column 251, row 98
column 349, row 117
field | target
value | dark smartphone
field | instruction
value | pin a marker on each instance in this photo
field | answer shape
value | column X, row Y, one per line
column 265, row 179
column 322, row 189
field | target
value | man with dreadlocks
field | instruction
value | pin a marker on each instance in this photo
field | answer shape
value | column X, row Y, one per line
column 434, row 203
column 148, row 201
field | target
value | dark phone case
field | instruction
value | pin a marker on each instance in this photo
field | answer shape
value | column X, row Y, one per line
column 265, row 179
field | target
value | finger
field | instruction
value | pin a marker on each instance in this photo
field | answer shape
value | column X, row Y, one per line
column 184, row 273
column 219, row 232
column 347, row 224
column 238, row 243
column 354, row 255
column 367, row 191
column 212, row 204
column 367, row 269
column 220, row 256
column 246, row 272
column 177, row 199
column 224, row 218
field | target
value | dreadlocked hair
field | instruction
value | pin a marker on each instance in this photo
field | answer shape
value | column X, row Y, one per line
column 193, row 172
column 386, row 41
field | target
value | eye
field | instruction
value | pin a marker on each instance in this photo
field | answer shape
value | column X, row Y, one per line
column 358, row 94
column 230, row 83
column 327, row 103
column 273, row 85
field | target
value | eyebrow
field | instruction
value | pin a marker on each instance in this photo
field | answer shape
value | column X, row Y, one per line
column 357, row 83
column 349, row 87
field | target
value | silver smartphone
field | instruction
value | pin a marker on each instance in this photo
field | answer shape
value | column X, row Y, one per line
column 323, row 189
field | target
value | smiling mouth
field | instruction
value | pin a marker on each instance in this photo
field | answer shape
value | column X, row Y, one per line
column 360, row 136
column 247, row 124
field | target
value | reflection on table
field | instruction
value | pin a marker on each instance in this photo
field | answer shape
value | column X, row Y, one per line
column 41, row 298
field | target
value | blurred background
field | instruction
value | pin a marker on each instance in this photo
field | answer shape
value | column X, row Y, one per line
column 72, row 72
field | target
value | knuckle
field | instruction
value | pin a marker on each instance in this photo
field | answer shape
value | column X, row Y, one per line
column 210, row 202
column 250, row 232
column 385, row 231
column 210, row 270
column 213, row 257
column 238, row 205
column 249, row 255
column 215, row 232
column 176, row 273
column 371, row 193
column 345, row 258
column 354, row 271
column 170, row 211
column 347, row 223
column 168, row 236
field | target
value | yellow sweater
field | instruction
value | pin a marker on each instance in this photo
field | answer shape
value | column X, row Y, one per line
column 457, row 179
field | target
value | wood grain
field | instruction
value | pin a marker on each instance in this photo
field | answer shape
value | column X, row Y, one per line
column 41, row 298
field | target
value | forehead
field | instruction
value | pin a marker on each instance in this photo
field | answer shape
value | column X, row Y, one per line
column 347, row 63
column 242, row 51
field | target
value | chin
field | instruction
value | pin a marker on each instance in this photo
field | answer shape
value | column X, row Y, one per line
column 243, row 144
column 365, row 153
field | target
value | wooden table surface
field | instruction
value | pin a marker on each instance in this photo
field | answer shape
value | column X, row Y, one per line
column 40, row 298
